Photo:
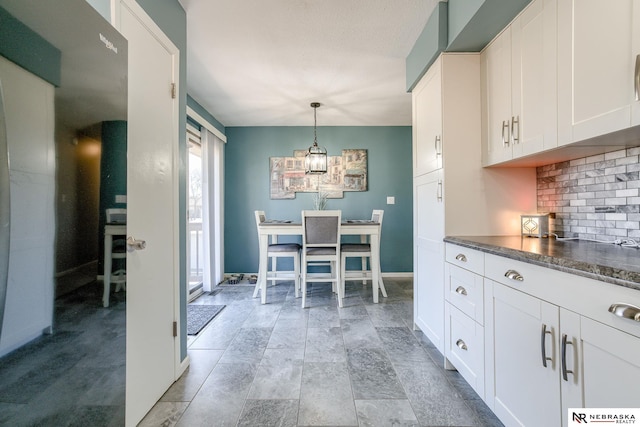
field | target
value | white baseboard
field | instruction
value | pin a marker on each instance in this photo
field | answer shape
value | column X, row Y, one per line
column 182, row 366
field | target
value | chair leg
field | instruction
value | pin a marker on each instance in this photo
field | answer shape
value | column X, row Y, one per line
column 296, row 269
column 338, row 283
column 303, row 283
column 256, row 290
column 364, row 267
column 381, row 284
column 343, row 263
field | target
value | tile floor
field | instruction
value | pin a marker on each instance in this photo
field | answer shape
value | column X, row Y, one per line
column 281, row 365
column 254, row 365
column 74, row 377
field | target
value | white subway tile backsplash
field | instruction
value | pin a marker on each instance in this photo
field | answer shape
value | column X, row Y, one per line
column 596, row 197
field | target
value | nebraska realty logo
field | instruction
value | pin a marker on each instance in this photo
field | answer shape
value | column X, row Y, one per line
column 580, row 416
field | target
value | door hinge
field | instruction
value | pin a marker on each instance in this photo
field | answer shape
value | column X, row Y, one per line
column 173, row 91
column 175, row 329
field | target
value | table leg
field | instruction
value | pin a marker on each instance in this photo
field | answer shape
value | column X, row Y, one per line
column 375, row 265
column 108, row 245
column 262, row 266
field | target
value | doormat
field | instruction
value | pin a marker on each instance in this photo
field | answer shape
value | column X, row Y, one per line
column 198, row 315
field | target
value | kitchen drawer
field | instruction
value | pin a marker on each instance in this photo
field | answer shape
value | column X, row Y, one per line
column 516, row 274
column 464, row 290
column 588, row 297
column 464, row 347
column 469, row 259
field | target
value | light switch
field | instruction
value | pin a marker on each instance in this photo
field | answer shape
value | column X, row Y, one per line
column 391, row 200
column 121, row 198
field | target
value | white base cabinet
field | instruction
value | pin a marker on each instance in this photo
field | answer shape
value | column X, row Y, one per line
column 537, row 316
column 522, row 356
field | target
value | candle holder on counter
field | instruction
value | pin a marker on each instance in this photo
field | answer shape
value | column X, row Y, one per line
column 534, row 225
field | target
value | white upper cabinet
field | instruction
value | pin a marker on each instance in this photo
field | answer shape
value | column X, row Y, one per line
column 427, row 123
column 533, row 81
column 598, row 44
column 495, row 63
column 519, row 86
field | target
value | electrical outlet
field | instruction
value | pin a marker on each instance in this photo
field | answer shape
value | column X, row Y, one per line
column 121, row 198
column 391, row 200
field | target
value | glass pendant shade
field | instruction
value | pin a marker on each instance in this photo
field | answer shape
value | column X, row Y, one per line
column 316, row 157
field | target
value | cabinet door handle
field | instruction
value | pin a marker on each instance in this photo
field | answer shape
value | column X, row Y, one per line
column 438, row 145
column 505, row 139
column 514, row 275
column 461, row 345
column 515, row 136
column 462, row 291
column 636, row 78
column 461, row 258
column 543, row 345
column 565, row 342
column 439, row 191
column 626, row 311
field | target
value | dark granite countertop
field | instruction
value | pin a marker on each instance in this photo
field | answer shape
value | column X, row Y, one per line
column 606, row 262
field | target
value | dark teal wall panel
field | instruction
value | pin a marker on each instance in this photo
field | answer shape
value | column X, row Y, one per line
column 27, row 49
column 430, row 43
column 482, row 25
column 247, row 155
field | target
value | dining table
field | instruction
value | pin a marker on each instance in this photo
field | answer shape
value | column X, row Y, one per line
column 353, row 227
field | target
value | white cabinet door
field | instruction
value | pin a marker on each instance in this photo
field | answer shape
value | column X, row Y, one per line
column 597, row 48
column 522, row 335
column 570, row 362
column 533, row 126
column 427, row 122
column 496, row 77
column 611, row 366
column 428, row 258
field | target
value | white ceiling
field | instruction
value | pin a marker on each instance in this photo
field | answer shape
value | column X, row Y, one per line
column 261, row 63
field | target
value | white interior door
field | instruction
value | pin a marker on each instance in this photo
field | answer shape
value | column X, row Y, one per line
column 152, row 215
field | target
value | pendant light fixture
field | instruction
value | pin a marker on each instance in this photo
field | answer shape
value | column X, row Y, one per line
column 316, row 157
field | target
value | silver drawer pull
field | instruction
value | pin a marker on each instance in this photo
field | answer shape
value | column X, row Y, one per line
column 461, row 258
column 460, row 290
column 461, row 345
column 626, row 311
column 543, row 345
column 514, row 275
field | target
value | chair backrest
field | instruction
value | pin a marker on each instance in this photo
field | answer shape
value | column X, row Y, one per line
column 260, row 217
column 116, row 216
column 377, row 216
column 321, row 228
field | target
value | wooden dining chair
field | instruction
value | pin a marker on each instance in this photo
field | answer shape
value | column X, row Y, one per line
column 275, row 251
column 321, row 243
column 363, row 251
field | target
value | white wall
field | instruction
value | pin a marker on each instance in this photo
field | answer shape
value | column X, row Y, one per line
column 29, row 110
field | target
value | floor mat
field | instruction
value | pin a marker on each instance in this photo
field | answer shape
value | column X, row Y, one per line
column 198, row 315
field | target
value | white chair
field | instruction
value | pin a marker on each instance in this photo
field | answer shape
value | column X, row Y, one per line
column 363, row 251
column 321, row 243
column 279, row 250
column 118, row 247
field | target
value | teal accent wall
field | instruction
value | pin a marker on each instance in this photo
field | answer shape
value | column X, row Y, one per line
column 247, row 155
column 428, row 46
column 113, row 175
column 460, row 14
column 459, row 26
column 19, row 44
column 474, row 23
column 192, row 103
column 172, row 20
